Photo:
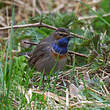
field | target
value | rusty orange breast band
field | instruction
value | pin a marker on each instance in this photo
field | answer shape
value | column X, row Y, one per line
column 56, row 55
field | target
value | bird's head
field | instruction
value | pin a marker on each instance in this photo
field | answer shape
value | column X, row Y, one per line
column 61, row 33
column 62, row 37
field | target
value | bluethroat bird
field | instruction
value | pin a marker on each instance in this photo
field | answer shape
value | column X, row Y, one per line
column 51, row 52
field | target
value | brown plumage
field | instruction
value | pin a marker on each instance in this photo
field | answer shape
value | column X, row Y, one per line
column 44, row 58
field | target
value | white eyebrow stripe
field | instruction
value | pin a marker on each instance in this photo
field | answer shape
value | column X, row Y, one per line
column 63, row 33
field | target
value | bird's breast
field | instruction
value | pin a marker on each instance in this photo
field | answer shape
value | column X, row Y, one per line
column 58, row 56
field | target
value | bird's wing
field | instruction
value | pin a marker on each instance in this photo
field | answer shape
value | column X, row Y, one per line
column 41, row 49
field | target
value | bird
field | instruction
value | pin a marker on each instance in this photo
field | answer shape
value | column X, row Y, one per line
column 51, row 52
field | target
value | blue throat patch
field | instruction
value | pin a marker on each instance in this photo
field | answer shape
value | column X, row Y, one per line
column 61, row 46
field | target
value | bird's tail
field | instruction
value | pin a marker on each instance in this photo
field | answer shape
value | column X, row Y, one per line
column 26, row 54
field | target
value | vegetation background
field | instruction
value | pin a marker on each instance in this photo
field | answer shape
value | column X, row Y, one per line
column 85, row 82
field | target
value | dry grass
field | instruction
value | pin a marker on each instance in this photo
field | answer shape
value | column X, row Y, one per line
column 71, row 90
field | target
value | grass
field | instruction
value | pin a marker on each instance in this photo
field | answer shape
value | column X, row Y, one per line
column 22, row 88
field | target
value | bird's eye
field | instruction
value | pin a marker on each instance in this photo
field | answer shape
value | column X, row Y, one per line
column 61, row 34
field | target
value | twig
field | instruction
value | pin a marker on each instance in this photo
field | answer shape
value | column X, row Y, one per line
column 32, row 43
column 29, row 25
column 78, row 54
column 92, row 17
column 37, row 25
column 78, row 36
column 104, row 72
column 70, row 52
column 2, row 24
column 88, row 102
column 94, row 2
column 50, row 95
column 97, row 92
